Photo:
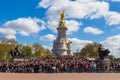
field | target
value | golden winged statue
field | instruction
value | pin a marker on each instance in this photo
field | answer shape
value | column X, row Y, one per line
column 62, row 16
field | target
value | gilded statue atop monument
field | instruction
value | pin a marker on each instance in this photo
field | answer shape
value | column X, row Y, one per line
column 62, row 15
column 62, row 21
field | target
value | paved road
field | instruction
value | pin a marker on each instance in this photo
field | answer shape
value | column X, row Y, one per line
column 59, row 76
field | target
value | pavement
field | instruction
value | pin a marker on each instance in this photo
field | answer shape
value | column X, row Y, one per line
column 59, row 76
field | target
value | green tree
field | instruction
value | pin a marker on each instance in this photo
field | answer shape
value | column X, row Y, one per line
column 111, row 57
column 90, row 50
column 27, row 50
column 47, row 52
column 5, row 49
column 38, row 50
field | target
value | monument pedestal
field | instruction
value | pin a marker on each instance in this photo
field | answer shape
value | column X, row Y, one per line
column 104, row 64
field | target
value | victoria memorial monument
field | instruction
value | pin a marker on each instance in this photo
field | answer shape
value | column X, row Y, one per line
column 62, row 46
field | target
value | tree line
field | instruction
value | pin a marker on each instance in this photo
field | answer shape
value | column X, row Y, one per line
column 35, row 50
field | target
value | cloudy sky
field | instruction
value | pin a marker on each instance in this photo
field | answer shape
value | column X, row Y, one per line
column 31, row 21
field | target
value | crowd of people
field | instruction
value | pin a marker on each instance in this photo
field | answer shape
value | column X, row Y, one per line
column 58, row 64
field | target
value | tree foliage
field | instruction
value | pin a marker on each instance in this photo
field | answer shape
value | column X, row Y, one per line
column 40, row 51
column 89, row 50
column 27, row 50
column 4, row 50
column 111, row 57
column 35, row 50
column 47, row 52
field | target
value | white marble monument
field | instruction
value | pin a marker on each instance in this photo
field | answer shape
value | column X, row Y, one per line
column 62, row 46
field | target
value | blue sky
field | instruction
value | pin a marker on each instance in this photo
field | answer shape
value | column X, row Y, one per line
column 31, row 21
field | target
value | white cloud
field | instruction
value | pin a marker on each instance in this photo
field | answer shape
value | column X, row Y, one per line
column 101, row 10
column 52, row 25
column 113, row 18
column 93, row 30
column 7, row 31
column 23, row 26
column 45, row 3
column 10, row 37
column 78, row 44
column 23, row 33
column 113, row 44
column 48, row 47
column 75, row 9
column 29, row 25
column 111, row 0
column 72, row 26
column 48, row 37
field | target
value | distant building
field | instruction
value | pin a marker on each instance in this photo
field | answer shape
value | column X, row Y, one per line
column 62, row 46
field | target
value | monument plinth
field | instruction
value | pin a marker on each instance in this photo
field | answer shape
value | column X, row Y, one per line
column 102, row 57
column 62, row 46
